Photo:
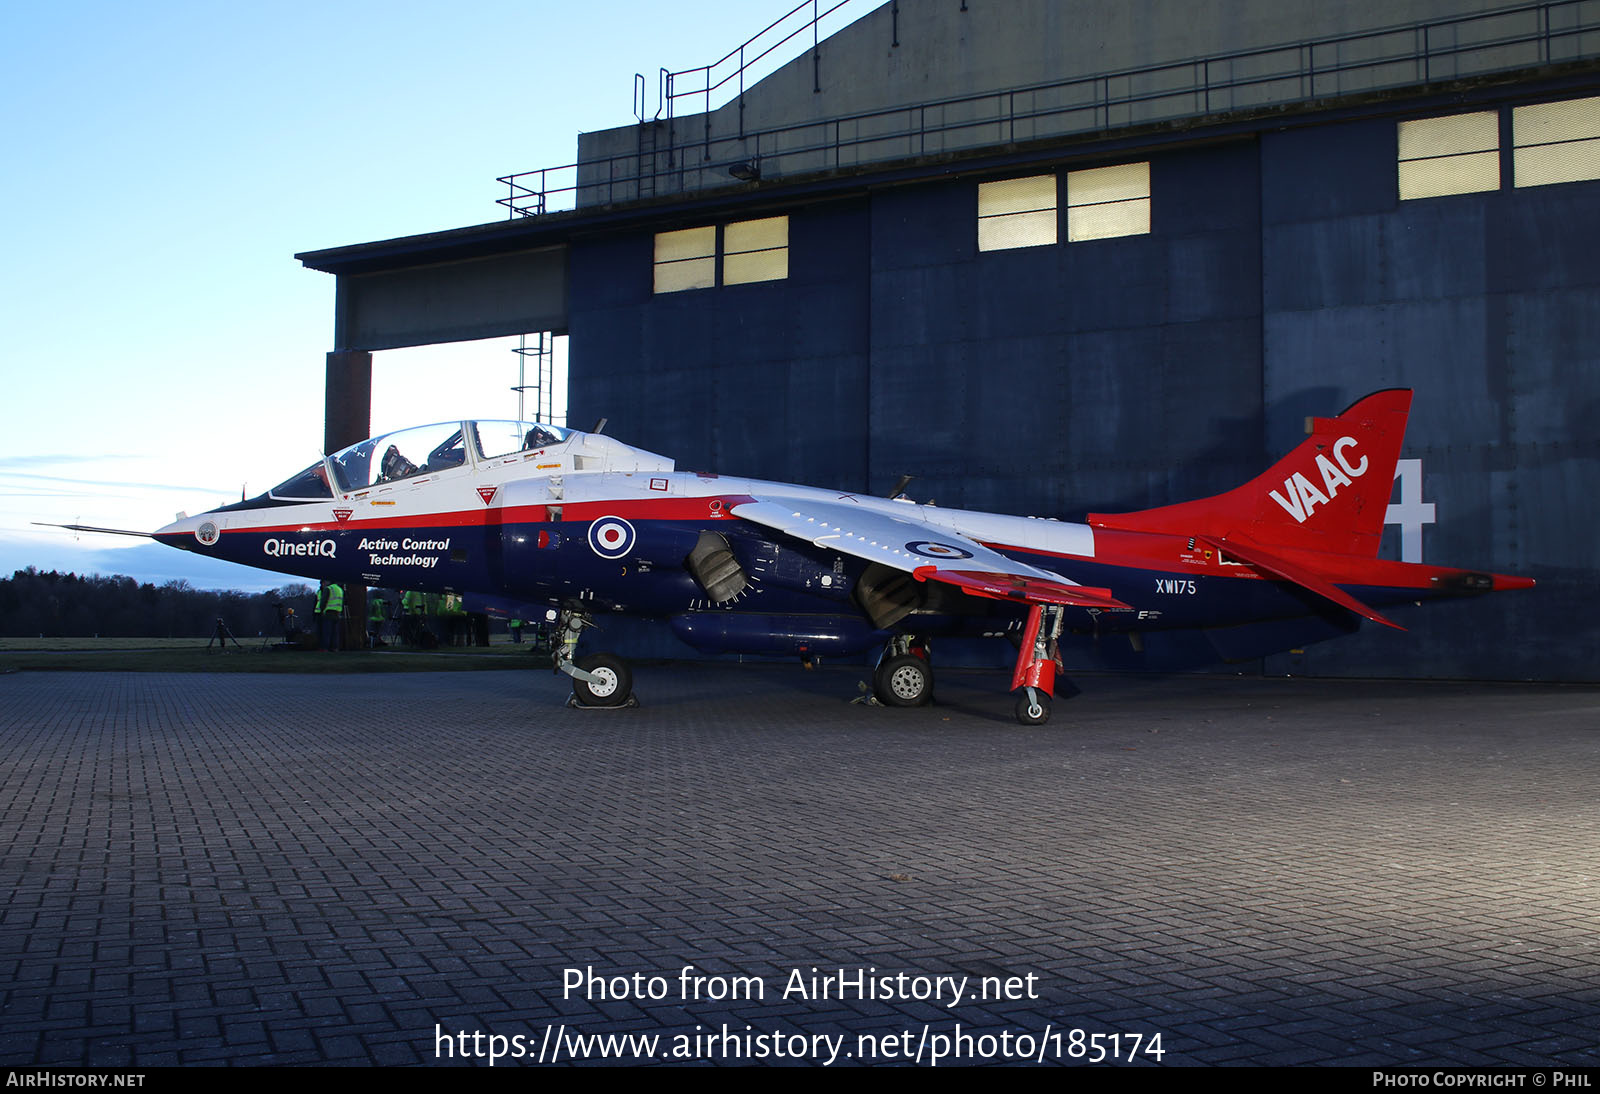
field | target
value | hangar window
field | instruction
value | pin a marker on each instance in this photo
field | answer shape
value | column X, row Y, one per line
column 1017, row 213
column 1459, row 154
column 1108, row 201
column 755, row 250
column 1556, row 142
column 686, row 259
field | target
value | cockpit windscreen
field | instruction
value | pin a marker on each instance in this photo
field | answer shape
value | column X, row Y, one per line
column 310, row 485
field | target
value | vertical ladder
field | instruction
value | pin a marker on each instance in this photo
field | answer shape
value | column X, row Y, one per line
column 542, row 356
column 647, row 160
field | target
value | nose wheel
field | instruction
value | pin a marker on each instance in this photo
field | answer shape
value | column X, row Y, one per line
column 608, row 682
column 598, row 680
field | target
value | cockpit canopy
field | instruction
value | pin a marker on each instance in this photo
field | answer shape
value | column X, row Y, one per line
column 426, row 450
column 422, row 450
column 429, row 449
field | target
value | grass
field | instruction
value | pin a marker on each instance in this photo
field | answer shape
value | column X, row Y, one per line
column 8, row 645
column 191, row 655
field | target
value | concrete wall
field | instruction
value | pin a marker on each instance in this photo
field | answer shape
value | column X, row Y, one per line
column 453, row 301
column 880, row 74
column 945, row 52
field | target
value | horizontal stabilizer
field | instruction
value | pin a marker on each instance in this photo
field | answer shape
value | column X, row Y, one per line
column 1298, row 575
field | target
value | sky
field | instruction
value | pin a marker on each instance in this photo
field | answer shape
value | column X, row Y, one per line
column 164, row 162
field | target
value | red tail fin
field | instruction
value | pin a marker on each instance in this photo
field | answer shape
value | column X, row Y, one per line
column 1329, row 494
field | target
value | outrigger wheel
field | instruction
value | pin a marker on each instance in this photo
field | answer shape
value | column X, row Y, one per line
column 1033, row 707
column 1034, row 680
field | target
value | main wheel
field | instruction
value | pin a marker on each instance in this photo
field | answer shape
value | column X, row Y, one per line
column 904, row 681
column 615, row 682
column 1035, row 711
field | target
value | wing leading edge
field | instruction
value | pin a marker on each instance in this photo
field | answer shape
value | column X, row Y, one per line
column 926, row 552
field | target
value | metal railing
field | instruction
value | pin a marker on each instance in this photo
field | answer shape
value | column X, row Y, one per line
column 740, row 60
column 1527, row 35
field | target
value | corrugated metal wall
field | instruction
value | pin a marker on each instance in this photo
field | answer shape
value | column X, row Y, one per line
column 1282, row 278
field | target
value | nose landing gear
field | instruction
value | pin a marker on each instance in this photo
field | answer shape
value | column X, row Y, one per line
column 598, row 680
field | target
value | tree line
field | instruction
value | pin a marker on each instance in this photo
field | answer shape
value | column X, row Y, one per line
column 57, row 605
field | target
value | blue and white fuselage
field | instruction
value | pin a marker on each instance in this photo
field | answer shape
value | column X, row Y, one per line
column 586, row 524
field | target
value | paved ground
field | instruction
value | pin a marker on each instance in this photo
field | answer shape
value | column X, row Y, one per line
column 334, row 869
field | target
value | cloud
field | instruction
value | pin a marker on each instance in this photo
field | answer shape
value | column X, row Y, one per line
column 104, row 483
column 45, row 461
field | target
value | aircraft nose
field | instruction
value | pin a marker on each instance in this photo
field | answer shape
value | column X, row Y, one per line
column 182, row 526
column 190, row 533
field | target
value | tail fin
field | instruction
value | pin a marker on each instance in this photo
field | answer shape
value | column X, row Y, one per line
column 1330, row 494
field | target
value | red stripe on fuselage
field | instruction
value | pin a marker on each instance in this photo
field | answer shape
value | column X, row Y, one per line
column 465, row 518
column 708, row 507
column 1172, row 554
column 701, row 508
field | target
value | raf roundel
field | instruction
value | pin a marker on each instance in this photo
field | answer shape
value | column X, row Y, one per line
column 929, row 549
column 611, row 537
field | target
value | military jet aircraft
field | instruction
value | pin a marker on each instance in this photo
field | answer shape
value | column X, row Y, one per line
column 587, row 525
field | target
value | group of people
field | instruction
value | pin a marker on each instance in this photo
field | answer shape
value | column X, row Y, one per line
column 422, row 620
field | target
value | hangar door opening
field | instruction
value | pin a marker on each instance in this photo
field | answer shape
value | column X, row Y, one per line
column 522, row 377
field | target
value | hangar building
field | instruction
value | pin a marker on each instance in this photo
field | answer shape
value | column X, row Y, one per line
column 1062, row 256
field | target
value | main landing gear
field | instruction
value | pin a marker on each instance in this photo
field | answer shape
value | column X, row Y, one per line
column 598, row 680
column 1037, row 661
column 903, row 676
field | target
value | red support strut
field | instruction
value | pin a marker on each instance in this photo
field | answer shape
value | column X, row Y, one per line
column 1036, row 662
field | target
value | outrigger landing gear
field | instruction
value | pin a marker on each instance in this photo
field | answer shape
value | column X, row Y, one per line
column 903, row 676
column 1037, row 662
column 600, row 679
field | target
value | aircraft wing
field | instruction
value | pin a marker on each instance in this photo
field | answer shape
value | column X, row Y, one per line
column 926, row 552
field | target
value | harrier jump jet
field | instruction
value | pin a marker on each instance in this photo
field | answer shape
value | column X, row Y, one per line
column 587, row 525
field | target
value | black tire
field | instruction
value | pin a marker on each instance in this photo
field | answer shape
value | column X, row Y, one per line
column 904, row 681
column 617, row 677
column 1029, row 713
